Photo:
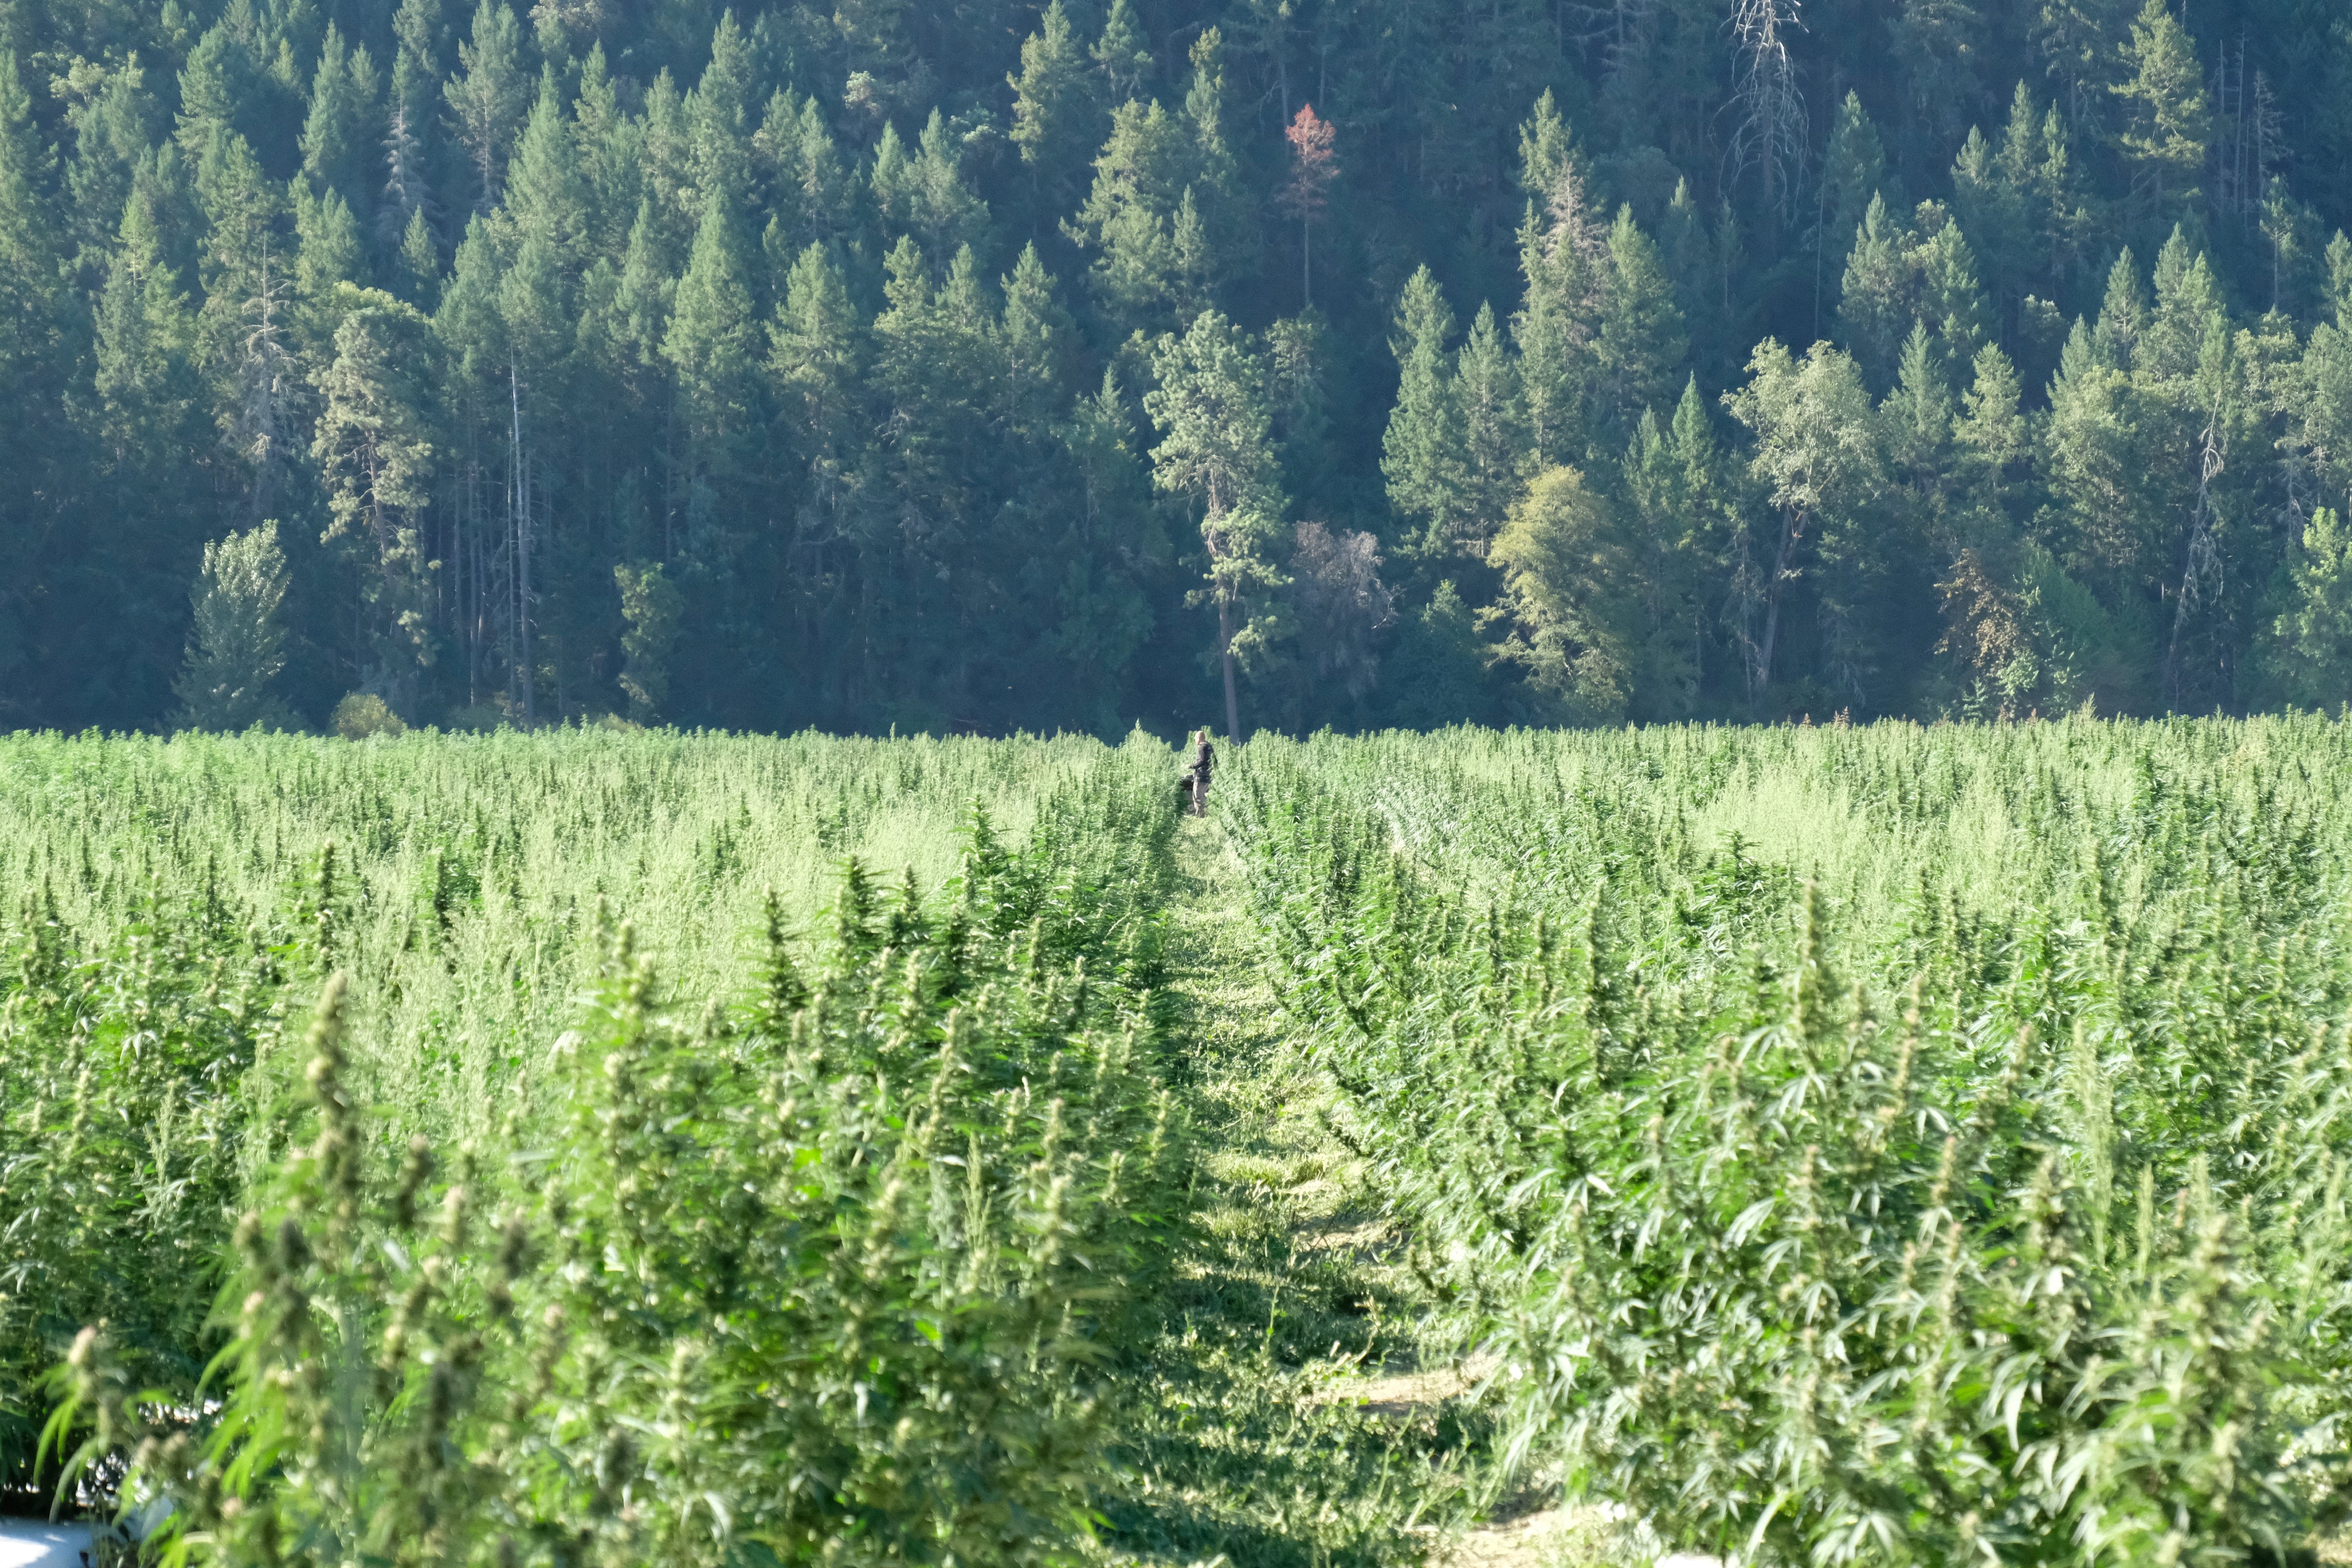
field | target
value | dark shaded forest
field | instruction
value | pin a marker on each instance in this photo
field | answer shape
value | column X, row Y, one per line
column 978, row 366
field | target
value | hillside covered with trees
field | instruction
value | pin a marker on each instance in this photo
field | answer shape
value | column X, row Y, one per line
column 972, row 364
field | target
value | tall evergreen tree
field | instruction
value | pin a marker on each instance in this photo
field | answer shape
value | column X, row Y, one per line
column 1492, row 455
column 1056, row 113
column 2166, row 121
column 1422, row 453
column 711, row 344
column 487, row 97
column 373, row 451
column 339, row 136
column 31, row 340
column 1641, row 345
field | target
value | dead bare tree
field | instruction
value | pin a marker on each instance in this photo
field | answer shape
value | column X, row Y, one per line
column 1769, row 136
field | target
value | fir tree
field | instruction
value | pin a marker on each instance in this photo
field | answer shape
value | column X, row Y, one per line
column 1422, row 453
column 710, row 341
column 340, row 131
column 2166, row 120
column 1875, row 306
column 2306, row 648
column 488, row 96
column 1494, row 440
column 1056, row 111
column 1119, row 55
column 373, row 451
column 1641, row 344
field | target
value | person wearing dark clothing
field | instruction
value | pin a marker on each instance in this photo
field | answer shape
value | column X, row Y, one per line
column 1205, row 762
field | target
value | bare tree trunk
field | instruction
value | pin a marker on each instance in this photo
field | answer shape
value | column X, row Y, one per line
column 2203, row 560
column 522, row 550
column 1792, row 528
column 1225, row 652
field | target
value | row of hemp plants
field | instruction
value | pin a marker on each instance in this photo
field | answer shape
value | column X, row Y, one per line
column 1853, row 1219
column 832, row 1273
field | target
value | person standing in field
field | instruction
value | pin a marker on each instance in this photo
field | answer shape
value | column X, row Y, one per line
column 1204, row 760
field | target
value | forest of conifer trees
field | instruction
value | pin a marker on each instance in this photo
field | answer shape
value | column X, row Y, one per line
column 975, row 365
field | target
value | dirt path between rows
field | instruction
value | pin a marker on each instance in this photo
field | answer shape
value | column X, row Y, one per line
column 1344, row 1446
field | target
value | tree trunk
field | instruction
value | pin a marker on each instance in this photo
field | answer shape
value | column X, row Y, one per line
column 1225, row 653
column 1791, row 530
column 522, row 550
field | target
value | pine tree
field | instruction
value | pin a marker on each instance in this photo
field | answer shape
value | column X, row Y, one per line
column 946, row 216
column 934, row 362
column 1994, row 195
column 417, row 267
column 1139, row 177
column 1422, row 453
column 1298, row 367
column 340, row 130
column 219, row 80
column 1562, row 259
column 2081, row 42
column 1663, row 537
column 1853, row 177
column 1875, row 299
column 487, row 97
column 1919, row 420
column 238, row 645
column 652, row 605
column 718, row 115
column 2306, row 652
column 1951, row 303
column 710, row 342
column 2086, row 459
column 2122, row 313
column 610, row 151
column 814, row 365
column 1642, row 345
column 1038, row 338
column 245, row 325
column 113, row 118
column 1119, row 55
column 1990, row 438
column 150, row 398
column 327, row 252
column 1313, row 167
column 2186, row 309
column 1494, row 440
column 1056, row 113
column 547, row 193
column 2166, row 121
column 373, row 454
column 816, row 360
